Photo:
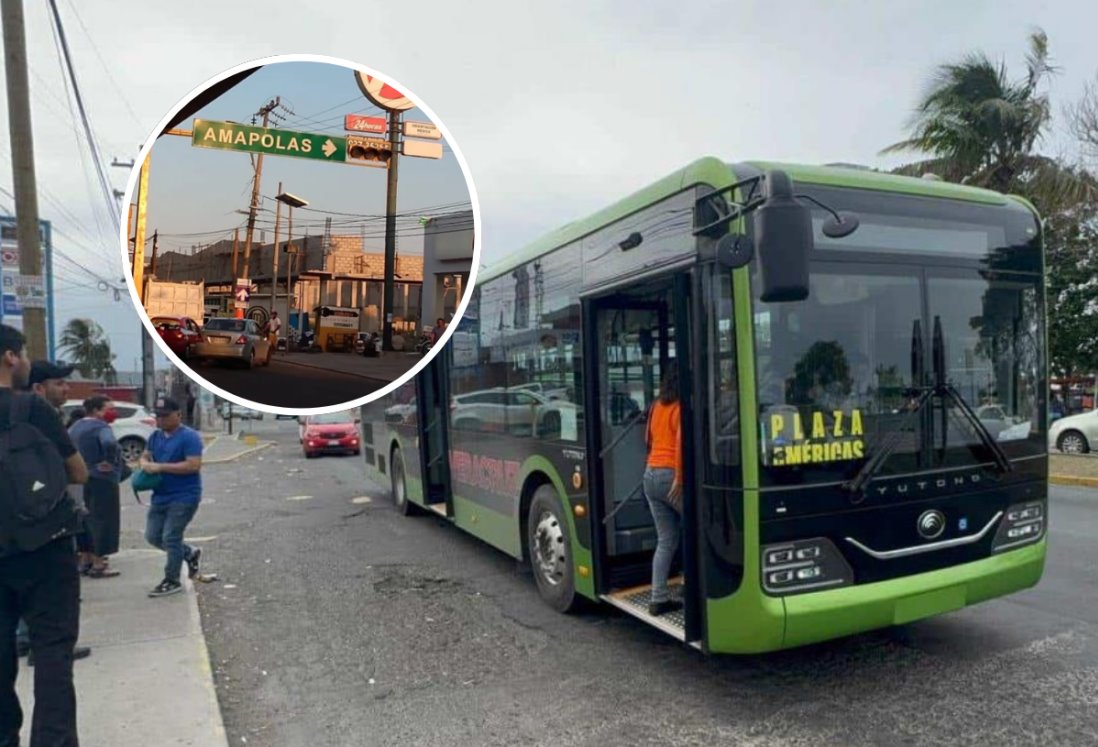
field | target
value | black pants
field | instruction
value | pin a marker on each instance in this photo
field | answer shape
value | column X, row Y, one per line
column 43, row 587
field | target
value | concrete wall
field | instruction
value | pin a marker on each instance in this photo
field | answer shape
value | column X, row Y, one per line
column 447, row 262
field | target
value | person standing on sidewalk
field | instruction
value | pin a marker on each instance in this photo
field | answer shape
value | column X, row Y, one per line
column 95, row 440
column 274, row 326
column 174, row 452
column 38, row 577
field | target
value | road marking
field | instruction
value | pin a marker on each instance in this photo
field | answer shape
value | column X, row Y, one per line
column 211, row 538
column 361, row 499
column 300, row 498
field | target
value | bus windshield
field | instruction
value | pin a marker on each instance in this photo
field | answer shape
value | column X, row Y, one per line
column 836, row 370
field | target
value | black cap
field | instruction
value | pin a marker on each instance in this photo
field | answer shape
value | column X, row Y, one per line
column 45, row 370
column 165, row 406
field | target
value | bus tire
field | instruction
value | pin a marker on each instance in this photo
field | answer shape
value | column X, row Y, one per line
column 399, row 486
column 550, row 550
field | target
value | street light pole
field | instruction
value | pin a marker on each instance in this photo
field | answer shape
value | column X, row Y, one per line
column 274, row 254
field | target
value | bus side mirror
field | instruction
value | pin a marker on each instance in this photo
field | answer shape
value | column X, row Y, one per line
column 783, row 239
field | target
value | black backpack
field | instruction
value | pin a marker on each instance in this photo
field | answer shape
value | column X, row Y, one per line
column 35, row 506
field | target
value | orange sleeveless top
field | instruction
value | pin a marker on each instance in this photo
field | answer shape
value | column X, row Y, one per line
column 664, row 442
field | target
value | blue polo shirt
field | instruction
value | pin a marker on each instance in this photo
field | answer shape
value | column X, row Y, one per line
column 167, row 448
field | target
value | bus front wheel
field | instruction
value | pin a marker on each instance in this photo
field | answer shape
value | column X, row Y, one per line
column 400, row 489
column 550, row 549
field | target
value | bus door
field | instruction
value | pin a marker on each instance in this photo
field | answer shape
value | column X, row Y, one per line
column 431, row 394
column 635, row 337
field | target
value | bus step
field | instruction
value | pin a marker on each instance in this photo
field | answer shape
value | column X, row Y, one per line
column 438, row 508
column 635, row 602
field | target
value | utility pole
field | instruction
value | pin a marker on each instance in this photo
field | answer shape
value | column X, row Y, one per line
column 390, row 231
column 236, row 244
column 156, row 245
column 265, row 112
column 274, row 254
column 22, row 160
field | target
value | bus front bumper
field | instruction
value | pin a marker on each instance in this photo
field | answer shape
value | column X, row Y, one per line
column 824, row 615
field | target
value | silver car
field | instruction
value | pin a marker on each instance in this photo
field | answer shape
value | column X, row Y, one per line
column 237, row 340
column 1075, row 434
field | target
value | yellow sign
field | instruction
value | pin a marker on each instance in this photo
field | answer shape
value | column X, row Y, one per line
column 831, row 436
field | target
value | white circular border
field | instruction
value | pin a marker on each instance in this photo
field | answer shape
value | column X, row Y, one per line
column 201, row 381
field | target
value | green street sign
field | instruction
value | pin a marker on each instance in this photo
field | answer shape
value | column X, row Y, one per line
column 232, row 136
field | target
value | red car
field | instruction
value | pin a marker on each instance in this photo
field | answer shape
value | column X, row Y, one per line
column 180, row 332
column 331, row 433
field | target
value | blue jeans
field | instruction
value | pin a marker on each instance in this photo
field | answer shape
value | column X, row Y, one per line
column 164, row 530
column 657, row 486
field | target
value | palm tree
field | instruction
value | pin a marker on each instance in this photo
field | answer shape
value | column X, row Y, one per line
column 981, row 128
column 83, row 341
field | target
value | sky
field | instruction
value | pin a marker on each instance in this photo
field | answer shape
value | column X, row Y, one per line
column 194, row 193
column 559, row 108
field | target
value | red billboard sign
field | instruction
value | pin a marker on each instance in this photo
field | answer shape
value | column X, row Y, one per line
column 359, row 123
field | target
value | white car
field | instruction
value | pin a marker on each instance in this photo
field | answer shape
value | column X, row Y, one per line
column 132, row 428
column 497, row 410
column 1075, row 434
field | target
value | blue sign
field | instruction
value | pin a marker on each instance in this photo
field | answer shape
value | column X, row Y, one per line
column 11, row 306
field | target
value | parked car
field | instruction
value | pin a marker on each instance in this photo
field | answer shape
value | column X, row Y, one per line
column 237, row 340
column 497, row 410
column 330, row 433
column 181, row 333
column 236, row 411
column 1075, row 434
column 132, row 428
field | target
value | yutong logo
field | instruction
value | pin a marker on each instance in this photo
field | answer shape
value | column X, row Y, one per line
column 931, row 524
column 927, row 484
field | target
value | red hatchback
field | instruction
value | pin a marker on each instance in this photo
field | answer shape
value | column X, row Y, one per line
column 331, row 433
column 180, row 332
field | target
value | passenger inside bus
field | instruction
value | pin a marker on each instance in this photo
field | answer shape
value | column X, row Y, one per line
column 663, row 488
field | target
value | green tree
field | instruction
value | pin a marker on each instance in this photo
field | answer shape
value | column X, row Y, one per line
column 981, row 128
column 84, row 342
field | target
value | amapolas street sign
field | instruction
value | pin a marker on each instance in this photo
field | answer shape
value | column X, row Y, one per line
column 233, row 136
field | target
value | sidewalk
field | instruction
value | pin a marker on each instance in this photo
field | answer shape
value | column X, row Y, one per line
column 148, row 679
column 386, row 368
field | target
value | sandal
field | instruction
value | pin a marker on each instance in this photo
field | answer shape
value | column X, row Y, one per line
column 103, row 573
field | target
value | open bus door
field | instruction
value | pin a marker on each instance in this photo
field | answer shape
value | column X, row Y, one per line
column 434, row 449
column 633, row 338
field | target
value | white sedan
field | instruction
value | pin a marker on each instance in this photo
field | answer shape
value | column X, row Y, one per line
column 132, row 428
column 1075, row 434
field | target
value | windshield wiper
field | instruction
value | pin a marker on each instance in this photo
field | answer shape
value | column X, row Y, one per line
column 947, row 392
column 918, row 396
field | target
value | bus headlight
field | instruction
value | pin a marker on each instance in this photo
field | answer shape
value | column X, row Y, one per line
column 804, row 565
column 1024, row 524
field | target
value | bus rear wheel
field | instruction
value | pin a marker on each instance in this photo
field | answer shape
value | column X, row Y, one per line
column 550, row 549
column 400, row 488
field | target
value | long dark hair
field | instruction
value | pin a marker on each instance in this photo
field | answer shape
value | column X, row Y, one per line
column 669, row 388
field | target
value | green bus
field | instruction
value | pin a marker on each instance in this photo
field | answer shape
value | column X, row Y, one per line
column 861, row 359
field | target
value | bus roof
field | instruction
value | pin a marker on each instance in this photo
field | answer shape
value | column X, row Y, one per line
column 716, row 172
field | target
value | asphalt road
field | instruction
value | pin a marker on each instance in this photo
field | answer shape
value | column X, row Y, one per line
column 286, row 385
column 343, row 623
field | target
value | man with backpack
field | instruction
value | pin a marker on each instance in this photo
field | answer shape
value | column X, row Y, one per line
column 38, row 575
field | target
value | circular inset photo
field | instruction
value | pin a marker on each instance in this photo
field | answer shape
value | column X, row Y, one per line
column 302, row 235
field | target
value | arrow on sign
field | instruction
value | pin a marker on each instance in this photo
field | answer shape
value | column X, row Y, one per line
column 242, row 294
column 329, row 147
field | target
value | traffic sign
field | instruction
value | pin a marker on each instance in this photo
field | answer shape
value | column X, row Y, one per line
column 243, row 291
column 10, row 257
column 233, row 136
column 359, row 123
column 381, row 93
column 422, row 129
column 421, row 149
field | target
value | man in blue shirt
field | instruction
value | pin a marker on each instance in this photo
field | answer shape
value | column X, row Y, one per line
column 174, row 452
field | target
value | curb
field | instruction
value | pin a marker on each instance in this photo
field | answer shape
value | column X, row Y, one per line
column 207, row 668
column 372, row 379
column 1082, row 482
column 234, row 457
